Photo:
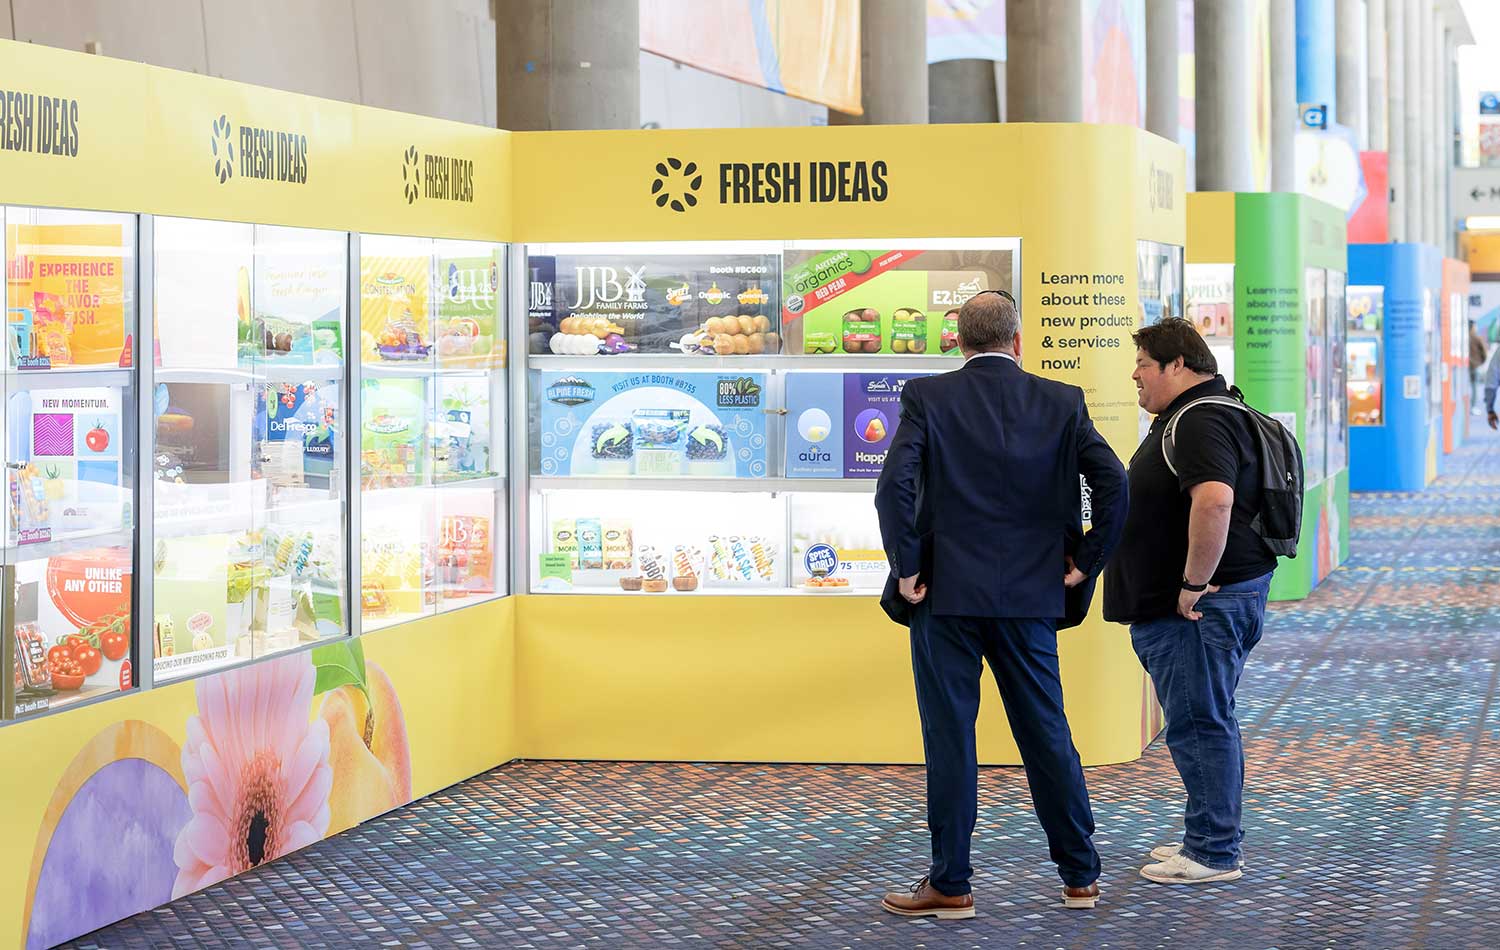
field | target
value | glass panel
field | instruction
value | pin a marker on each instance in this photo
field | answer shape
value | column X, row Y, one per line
column 657, row 541
column 1366, row 369
column 1209, row 292
column 432, row 443
column 249, row 467
column 1338, row 389
column 836, row 537
column 1315, row 412
column 70, row 458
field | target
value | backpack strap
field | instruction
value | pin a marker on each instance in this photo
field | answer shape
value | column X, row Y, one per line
column 1169, row 434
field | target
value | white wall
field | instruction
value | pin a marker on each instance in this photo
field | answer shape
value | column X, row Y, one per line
column 434, row 57
column 431, row 57
column 680, row 97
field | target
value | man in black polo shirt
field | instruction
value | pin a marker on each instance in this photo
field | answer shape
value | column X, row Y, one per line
column 1191, row 577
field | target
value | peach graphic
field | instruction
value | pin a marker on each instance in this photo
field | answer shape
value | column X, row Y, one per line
column 257, row 772
column 369, row 751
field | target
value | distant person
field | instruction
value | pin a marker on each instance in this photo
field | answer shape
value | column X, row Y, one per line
column 980, row 509
column 1191, row 577
column 1477, row 355
column 1491, row 384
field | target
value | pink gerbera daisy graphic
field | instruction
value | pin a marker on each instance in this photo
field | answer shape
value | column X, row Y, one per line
column 257, row 771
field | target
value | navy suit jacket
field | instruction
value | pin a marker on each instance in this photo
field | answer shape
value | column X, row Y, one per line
column 980, row 494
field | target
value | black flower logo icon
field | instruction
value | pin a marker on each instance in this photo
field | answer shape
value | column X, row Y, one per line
column 223, row 146
column 676, row 184
column 411, row 175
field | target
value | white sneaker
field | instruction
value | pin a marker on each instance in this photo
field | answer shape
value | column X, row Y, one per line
column 1168, row 850
column 1179, row 869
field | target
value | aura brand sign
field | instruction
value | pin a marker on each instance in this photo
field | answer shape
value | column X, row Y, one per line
column 676, row 182
column 259, row 153
column 41, row 125
column 438, row 177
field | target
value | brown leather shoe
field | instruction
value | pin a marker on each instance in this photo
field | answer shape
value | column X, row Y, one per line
column 1081, row 898
column 924, row 900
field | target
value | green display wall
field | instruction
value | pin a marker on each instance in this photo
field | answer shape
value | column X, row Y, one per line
column 1289, row 257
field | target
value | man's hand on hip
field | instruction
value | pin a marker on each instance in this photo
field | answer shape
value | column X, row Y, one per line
column 911, row 590
column 1187, row 601
column 1072, row 577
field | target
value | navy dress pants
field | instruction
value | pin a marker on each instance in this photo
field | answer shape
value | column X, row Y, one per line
column 947, row 655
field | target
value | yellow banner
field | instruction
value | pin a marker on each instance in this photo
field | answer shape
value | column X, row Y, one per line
column 86, row 132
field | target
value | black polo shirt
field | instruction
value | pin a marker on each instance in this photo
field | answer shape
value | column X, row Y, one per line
column 1214, row 444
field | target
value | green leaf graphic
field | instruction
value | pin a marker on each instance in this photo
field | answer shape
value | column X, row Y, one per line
column 339, row 664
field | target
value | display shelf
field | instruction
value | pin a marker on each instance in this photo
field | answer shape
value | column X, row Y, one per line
column 687, row 483
column 71, row 544
column 392, row 495
column 875, row 363
column 74, row 378
column 542, row 588
column 31, row 705
column 370, row 624
column 261, row 373
column 417, row 369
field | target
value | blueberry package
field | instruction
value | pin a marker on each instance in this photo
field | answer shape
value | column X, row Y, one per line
column 686, row 304
column 649, row 424
column 590, row 545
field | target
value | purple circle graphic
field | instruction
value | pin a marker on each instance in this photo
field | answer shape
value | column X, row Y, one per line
column 111, row 854
column 872, row 426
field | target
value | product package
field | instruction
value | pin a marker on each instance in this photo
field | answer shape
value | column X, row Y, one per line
column 392, row 445
column 618, row 545
column 394, row 312
column 852, row 301
column 565, row 539
column 590, row 545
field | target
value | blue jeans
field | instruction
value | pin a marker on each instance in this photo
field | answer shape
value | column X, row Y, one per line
column 1196, row 666
column 947, row 657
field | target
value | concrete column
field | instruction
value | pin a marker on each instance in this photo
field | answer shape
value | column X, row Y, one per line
column 1376, row 104
column 1412, row 202
column 962, row 90
column 892, row 63
column 1223, row 110
column 1162, row 93
column 1395, row 62
column 1429, row 120
column 1284, row 95
column 1349, row 77
column 1044, row 61
column 560, row 64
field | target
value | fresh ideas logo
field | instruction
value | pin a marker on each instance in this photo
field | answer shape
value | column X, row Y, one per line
column 411, row 175
column 40, row 125
column 676, row 185
column 437, row 177
column 258, row 153
column 223, row 146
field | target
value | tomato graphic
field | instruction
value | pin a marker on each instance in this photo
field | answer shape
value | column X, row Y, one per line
column 88, row 658
column 97, row 439
column 114, row 644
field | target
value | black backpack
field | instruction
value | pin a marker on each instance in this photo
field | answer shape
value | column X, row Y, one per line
column 1279, row 520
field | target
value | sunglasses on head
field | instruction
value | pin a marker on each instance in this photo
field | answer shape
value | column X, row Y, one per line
column 1002, row 293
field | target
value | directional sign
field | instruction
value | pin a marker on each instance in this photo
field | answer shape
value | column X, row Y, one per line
column 1476, row 191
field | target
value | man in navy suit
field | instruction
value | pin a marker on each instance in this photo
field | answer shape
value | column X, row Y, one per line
column 980, row 514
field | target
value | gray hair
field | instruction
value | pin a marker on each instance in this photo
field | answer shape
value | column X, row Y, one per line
column 987, row 322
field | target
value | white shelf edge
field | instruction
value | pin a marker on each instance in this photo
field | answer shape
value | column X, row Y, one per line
column 885, row 363
column 857, row 486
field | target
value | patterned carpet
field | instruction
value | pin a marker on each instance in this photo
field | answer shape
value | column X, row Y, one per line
column 1372, row 813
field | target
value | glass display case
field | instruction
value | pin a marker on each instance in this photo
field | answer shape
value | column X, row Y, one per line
column 70, row 456
column 1159, row 276
column 1335, row 362
column 1317, row 375
column 1209, row 293
column 249, row 466
column 1365, row 346
column 432, row 406
column 709, row 417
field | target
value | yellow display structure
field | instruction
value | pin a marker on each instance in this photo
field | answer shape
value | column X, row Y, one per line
column 769, row 678
column 796, row 678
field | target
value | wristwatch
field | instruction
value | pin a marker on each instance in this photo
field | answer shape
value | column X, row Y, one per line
column 1195, row 588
